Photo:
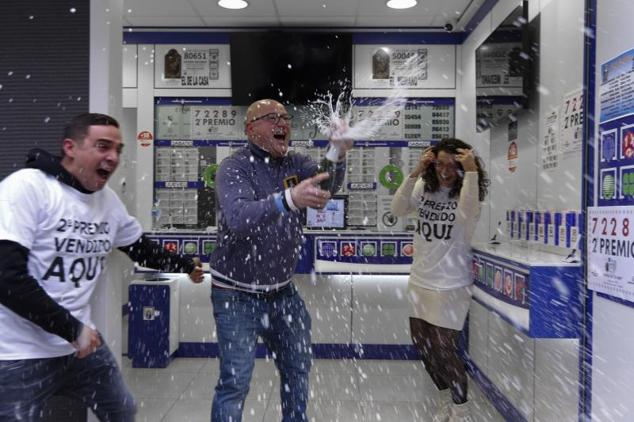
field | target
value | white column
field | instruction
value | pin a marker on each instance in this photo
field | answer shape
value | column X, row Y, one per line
column 144, row 174
column 105, row 97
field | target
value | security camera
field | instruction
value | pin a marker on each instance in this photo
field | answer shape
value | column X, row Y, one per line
column 450, row 26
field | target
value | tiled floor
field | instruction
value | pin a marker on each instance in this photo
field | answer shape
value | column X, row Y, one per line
column 340, row 390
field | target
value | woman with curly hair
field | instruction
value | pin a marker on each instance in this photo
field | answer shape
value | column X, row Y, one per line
column 445, row 191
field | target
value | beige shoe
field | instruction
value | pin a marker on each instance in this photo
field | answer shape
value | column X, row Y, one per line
column 460, row 413
column 442, row 411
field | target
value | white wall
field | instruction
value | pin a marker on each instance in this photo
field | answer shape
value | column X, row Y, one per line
column 539, row 377
column 105, row 97
column 612, row 335
column 560, row 72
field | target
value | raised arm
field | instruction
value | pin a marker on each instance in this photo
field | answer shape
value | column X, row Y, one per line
column 468, row 203
column 403, row 201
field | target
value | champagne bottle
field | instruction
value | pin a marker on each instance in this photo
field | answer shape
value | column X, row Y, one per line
column 329, row 165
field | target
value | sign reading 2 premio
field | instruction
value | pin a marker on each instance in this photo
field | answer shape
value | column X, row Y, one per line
column 611, row 251
column 610, row 238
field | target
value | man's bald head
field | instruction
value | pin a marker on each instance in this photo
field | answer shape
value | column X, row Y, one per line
column 267, row 125
column 261, row 107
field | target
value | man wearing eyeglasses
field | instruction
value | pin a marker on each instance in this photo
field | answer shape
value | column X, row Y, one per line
column 262, row 192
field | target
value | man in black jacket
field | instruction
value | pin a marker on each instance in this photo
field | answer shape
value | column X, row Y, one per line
column 58, row 223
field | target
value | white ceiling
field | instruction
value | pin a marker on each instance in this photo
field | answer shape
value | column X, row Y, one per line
column 294, row 13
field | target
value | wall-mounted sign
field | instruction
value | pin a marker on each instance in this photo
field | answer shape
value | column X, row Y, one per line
column 610, row 241
column 145, row 138
column 192, row 66
column 512, row 151
column 611, row 251
column 498, row 66
column 615, row 156
column 213, row 119
column 550, row 150
column 392, row 66
column 571, row 122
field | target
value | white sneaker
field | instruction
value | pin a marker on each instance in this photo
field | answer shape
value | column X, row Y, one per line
column 460, row 413
column 442, row 411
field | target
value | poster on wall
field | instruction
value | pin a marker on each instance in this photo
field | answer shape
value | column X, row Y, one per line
column 610, row 242
column 549, row 142
column 498, row 66
column 616, row 132
column 512, row 150
column 399, row 67
column 192, row 66
column 571, row 129
column 611, row 251
column 405, row 66
column 220, row 122
column 617, row 87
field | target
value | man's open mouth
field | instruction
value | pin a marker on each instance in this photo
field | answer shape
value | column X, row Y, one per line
column 103, row 173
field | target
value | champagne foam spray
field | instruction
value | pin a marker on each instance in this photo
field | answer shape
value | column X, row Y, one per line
column 333, row 118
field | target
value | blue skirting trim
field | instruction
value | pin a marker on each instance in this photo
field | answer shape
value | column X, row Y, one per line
column 320, row 351
column 496, row 398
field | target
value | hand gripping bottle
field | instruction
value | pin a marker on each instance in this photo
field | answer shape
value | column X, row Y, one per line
column 329, row 165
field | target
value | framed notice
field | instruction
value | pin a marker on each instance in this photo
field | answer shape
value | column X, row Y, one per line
column 550, row 150
column 217, row 122
column 495, row 69
column 615, row 152
column 611, row 251
column 617, row 87
column 408, row 66
column 571, row 122
column 192, row 66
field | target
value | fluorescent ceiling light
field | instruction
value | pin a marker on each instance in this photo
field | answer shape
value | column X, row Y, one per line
column 233, row 4
column 401, row 4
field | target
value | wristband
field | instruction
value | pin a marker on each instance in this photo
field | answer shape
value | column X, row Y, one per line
column 289, row 200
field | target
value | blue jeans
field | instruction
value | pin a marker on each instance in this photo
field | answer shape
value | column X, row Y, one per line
column 95, row 380
column 282, row 321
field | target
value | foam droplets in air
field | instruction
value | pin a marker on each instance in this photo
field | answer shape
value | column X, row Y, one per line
column 334, row 119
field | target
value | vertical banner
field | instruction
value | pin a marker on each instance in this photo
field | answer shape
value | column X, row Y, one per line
column 611, row 251
column 616, row 132
column 571, row 122
column 609, row 235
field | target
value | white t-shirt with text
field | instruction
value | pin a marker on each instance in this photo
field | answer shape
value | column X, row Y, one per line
column 69, row 235
column 445, row 227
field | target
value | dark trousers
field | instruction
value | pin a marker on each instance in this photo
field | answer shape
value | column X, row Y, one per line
column 439, row 349
column 95, row 381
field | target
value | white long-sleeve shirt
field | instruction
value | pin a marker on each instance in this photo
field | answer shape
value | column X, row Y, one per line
column 442, row 242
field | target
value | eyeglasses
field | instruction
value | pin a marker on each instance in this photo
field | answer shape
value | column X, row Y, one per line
column 274, row 118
